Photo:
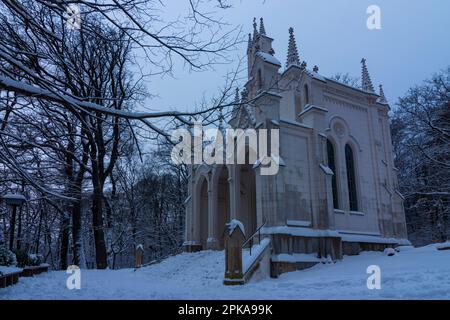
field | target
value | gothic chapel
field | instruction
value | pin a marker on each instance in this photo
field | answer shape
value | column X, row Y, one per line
column 336, row 190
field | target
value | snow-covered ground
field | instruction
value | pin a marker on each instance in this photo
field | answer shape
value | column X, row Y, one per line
column 420, row 273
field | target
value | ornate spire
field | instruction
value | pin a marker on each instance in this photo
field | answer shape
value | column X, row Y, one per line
column 249, row 46
column 366, row 82
column 262, row 30
column 221, row 117
column 244, row 95
column 255, row 30
column 236, row 96
column 382, row 99
column 236, row 103
column 220, row 128
column 292, row 54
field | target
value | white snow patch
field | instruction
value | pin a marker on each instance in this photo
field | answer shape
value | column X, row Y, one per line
column 248, row 260
column 298, row 223
column 299, row 231
column 444, row 245
column 296, row 257
column 326, row 169
column 372, row 239
column 6, row 270
column 389, row 252
column 268, row 58
column 419, row 273
column 404, row 248
column 233, row 224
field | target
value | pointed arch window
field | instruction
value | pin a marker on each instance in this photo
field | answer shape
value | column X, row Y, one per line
column 351, row 178
column 259, row 79
column 306, row 94
column 298, row 105
column 332, row 166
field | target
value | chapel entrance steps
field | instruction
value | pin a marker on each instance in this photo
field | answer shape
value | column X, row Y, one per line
column 271, row 254
column 272, row 251
column 262, row 260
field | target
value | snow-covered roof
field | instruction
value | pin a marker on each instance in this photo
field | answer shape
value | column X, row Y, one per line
column 14, row 199
column 309, row 107
column 268, row 159
column 268, row 58
column 316, row 75
column 349, row 86
column 16, row 196
column 313, row 74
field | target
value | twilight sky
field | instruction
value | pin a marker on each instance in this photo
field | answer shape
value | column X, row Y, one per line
column 414, row 42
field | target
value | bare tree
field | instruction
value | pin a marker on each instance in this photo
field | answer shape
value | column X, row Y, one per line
column 67, row 98
column 421, row 138
column 347, row 79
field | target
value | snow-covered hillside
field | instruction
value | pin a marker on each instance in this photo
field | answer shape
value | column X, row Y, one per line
column 420, row 273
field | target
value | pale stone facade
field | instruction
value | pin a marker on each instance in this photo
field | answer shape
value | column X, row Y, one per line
column 336, row 189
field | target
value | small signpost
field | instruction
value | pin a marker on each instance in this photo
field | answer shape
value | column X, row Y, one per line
column 234, row 238
column 138, row 254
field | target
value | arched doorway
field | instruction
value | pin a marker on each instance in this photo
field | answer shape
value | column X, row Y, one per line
column 223, row 205
column 247, row 205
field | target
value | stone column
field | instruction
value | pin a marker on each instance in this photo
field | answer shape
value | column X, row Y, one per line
column 233, row 180
column 191, row 242
column 212, row 242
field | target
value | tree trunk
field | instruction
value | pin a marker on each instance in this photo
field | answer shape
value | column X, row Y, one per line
column 64, row 241
column 99, row 236
column 78, row 255
column 38, row 237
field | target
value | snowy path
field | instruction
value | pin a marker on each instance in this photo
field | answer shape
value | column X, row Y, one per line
column 422, row 273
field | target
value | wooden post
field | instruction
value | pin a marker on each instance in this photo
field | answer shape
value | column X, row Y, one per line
column 12, row 227
column 138, row 254
column 234, row 238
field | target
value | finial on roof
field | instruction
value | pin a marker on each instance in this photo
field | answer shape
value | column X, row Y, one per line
column 366, row 81
column 292, row 54
column 255, row 30
column 316, row 69
column 220, row 119
column 262, row 30
column 382, row 99
column 244, row 95
column 304, row 65
column 236, row 104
